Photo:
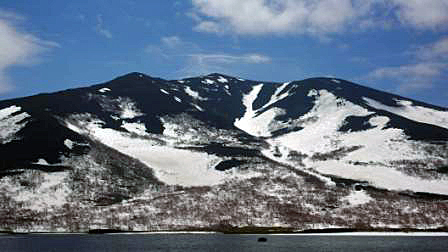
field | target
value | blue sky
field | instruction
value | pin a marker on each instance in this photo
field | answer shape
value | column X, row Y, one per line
column 400, row 46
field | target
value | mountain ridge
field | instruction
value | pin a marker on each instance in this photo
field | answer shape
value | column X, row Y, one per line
column 296, row 153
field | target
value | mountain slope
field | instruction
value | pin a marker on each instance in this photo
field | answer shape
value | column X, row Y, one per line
column 136, row 152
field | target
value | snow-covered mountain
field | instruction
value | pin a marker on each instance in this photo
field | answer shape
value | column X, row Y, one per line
column 140, row 153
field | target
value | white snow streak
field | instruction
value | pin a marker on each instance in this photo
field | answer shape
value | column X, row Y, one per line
column 164, row 91
column 68, row 143
column 261, row 124
column 197, row 107
column 245, row 123
column 104, row 90
column 208, row 81
column 11, row 124
column 194, row 94
column 222, row 79
column 177, row 99
column 415, row 113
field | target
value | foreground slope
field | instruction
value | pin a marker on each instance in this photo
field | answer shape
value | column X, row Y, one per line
column 143, row 153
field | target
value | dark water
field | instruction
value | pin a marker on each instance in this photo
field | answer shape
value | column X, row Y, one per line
column 218, row 242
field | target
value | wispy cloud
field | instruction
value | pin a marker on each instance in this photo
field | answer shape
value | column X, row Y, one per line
column 199, row 61
column 17, row 47
column 99, row 28
column 431, row 68
column 319, row 17
column 172, row 41
column 435, row 51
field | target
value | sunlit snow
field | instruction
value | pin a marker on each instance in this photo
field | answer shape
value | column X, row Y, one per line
column 104, row 90
column 164, row 91
column 171, row 165
column 68, row 143
column 222, row 79
column 415, row 113
column 194, row 94
column 11, row 124
column 137, row 128
column 208, row 81
column 356, row 198
column 128, row 108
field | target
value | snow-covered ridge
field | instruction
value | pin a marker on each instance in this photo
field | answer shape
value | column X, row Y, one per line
column 415, row 113
column 11, row 124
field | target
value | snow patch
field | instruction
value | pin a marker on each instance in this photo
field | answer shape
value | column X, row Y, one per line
column 177, row 99
column 222, row 79
column 137, row 128
column 336, row 81
column 104, row 90
column 11, row 124
column 208, row 81
column 42, row 161
column 415, row 113
column 194, row 94
column 381, row 176
column 69, row 143
column 164, row 91
column 356, row 198
column 181, row 81
column 128, row 108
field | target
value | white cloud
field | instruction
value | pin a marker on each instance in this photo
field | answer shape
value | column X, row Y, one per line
column 205, row 63
column 17, row 47
column 417, row 71
column 199, row 61
column 172, row 41
column 100, row 27
column 435, row 51
column 422, row 13
column 258, row 17
column 231, row 59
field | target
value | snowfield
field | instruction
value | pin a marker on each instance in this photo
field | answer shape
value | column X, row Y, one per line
column 171, row 165
column 374, row 148
column 415, row 113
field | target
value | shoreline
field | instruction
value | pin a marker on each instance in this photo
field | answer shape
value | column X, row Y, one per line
column 257, row 231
